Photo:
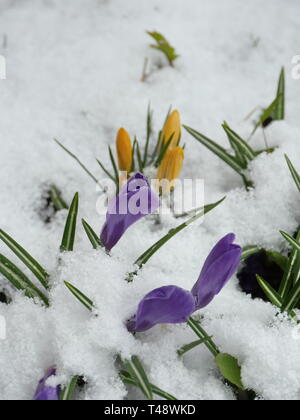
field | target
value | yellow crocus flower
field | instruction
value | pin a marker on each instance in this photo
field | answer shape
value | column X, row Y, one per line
column 124, row 150
column 172, row 127
column 170, row 167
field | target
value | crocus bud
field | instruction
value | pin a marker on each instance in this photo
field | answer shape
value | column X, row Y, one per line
column 124, row 150
column 46, row 392
column 170, row 168
column 172, row 128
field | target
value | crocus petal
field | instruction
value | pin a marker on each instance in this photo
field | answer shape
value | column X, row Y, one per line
column 45, row 392
column 165, row 305
column 135, row 201
column 219, row 267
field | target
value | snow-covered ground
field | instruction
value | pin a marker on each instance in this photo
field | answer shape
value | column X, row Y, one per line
column 73, row 72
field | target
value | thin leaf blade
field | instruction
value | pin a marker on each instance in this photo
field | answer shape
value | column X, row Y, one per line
column 68, row 239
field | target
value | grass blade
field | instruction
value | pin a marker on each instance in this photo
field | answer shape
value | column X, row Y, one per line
column 148, row 135
column 127, row 379
column 250, row 250
column 292, row 272
column 92, row 235
column 242, row 145
column 137, row 372
column 292, row 299
column 40, row 273
column 294, row 173
column 187, row 347
column 271, row 294
column 105, row 170
column 80, row 296
column 154, row 248
column 19, row 280
column 115, row 168
column 67, row 393
column 139, row 156
column 291, row 240
column 78, row 161
column 279, row 111
column 207, row 340
column 56, row 199
column 216, row 149
column 68, row 239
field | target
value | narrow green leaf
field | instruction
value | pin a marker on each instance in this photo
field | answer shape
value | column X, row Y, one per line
column 279, row 111
column 56, row 199
column 164, row 46
column 19, row 280
column 271, row 294
column 92, row 235
column 127, row 379
column 154, row 248
column 243, row 146
column 294, row 173
column 80, row 296
column 106, row 171
column 40, row 273
column 137, row 372
column 291, row 240
column 267, row 113
column 115, row 168
column 187, row 347
column 277, row 258
column 68, row 239
column 230, row 369
column 250, row 250
column 148, row 134
column 67, row 392
column 139, row 156
column 163, row 150
column 292, row 272
column 292, row 299
column 216, row 149
column 78, row 161
column 202, row 334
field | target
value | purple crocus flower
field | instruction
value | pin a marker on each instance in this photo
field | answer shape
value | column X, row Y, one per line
column 173, row 305
column 45, row 392
column 135, row 200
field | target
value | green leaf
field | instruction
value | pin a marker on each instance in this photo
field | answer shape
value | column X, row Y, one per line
column 127, row 379
column 216, row 149
column 250, row 250
column 40, row 273
column 78, row 161
column 106, row 171
column 291, row 240
column 267, row 113
column 154, row 248
column 187, row 347
column 230, row 369
column 279, row 111
column 56, row 199
column 80, row 296
column 292, row 272
column 115, row 168
column 277, row 258
column 294, row 173
column 244, row 148
column 271, row 294
column 67, row 392
column 202, row 334
column 292, row 299
column 68, row 239
column 148, row 135
column 163, row 150
column 164, row 46
column 92, row 235
column 137, row 372
column 19, row 280
column 139, row 156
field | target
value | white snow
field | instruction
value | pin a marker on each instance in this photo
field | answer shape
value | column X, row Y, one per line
column 73, row 72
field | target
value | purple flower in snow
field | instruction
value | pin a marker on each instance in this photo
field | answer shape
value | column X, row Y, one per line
column 135, row 201
column 45, row 392
column 173, row 305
